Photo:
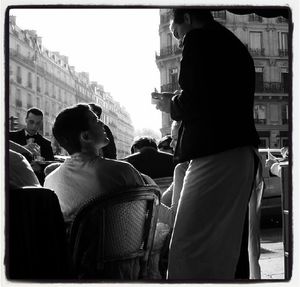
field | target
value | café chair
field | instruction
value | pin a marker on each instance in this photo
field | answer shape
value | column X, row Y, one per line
column 163, row 183
column 112, row 235
column 35, row 239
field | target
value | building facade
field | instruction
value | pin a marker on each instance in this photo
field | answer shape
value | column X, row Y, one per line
column 43, row 79
column 267, row 41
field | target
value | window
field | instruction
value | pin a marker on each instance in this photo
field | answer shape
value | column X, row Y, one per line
column 29, row 101
column 260, row 114
column 47, row 108
column 285, row 80
column 285, row 114
column 18, row 98
column 38, row 102
column 283, row 43
column 256, row 43
column 29, row 80
column 19, row 75
column 46, row 87
column 38, row 84
column 259, row 79
column 274, row 114
column 169, row 39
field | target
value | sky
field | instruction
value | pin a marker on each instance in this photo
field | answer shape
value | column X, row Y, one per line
column 115, row 46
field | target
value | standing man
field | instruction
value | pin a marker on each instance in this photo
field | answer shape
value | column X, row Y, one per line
column 30, row 138
column 218, row 138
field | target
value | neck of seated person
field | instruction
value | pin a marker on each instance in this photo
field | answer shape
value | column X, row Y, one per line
column 90, row 150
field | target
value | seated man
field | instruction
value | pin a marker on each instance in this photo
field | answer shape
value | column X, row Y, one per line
column 20, row 171
column 85, row 174
column 30, row 138
column 148, row 160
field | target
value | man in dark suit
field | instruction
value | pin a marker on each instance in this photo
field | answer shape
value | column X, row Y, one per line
column 147, row 159
column 30, row 138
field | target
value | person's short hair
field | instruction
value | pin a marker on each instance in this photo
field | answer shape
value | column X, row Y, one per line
column 203, row 15
column 34, row 111
column 165, row 142
column 143, row 142
column 96, row 109
column 69, row 124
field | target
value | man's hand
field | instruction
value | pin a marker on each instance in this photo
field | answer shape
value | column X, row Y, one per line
column 270, row 162
column 34, row 149
column 164, row 102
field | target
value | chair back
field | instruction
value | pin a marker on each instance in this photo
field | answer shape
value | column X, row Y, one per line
column 112, row 235
column 163, row 183
column 36, row 246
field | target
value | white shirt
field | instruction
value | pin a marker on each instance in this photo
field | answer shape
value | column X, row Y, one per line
column 83, row 177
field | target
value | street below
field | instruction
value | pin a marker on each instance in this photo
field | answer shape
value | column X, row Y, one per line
column 272, row 254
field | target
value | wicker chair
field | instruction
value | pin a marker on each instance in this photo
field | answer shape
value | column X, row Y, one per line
column 163, row 183
column 112, row 235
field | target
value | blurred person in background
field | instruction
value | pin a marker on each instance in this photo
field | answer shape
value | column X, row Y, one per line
column 164, row 144
column 147, row 159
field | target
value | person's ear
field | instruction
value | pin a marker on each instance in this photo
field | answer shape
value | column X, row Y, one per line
column 84, row 136
column 187, row 18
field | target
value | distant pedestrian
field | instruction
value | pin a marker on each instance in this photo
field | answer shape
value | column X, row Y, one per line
column 147, row 159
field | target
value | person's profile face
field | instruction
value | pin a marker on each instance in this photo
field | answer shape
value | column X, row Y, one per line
column 178, row 31
column 96, row 130
column 33, row 123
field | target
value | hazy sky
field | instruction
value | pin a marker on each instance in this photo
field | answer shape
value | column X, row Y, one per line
column 115, row 46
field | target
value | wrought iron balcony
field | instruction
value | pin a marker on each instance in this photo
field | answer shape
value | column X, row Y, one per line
column 255, row 18
column 283, row 52
column 271, row 87
column 260, row 121
column 281, row 20
column 171, row 87
column 168, row 51
column 257, row 52
column 219, row 14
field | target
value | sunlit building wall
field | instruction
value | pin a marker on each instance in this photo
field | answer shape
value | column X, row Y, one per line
column 42, row 78
column 267, row 41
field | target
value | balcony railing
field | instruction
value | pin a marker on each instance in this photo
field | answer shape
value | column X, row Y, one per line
column 283, row 52
column 171, row 87
column 219, row 15
column 257, row 52
column 260, row 121
column 255, row 18
column 271, row 87
column 168, row 51
column 281, row 20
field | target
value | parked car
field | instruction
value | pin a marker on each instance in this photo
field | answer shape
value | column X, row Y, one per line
column 271, row 201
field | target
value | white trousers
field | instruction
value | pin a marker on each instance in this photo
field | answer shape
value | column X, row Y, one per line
column 206, row 239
